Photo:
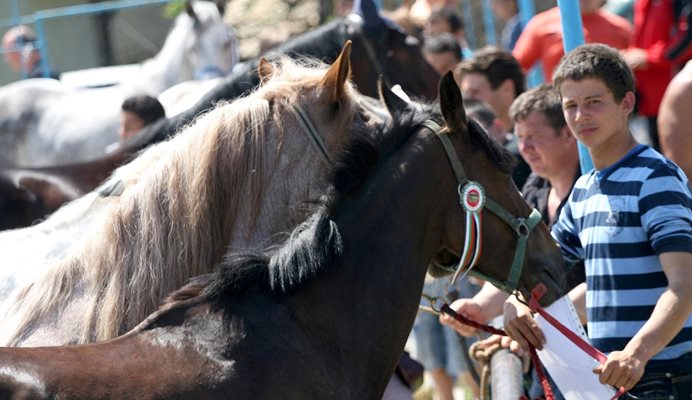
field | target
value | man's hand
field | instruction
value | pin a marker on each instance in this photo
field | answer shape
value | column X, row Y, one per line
column 520, row 325
column 469, row 308
column 620, row 369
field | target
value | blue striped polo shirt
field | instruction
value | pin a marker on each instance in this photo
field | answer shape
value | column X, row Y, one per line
column 618, row 220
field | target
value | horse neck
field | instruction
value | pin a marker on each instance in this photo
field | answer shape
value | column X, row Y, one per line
column 168, row 67
column 379, row 277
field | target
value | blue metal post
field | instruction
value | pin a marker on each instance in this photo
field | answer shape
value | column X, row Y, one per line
column 489, row 23
column 573, row 36
column 467, row 12
column 41, row 36
column 534, row 77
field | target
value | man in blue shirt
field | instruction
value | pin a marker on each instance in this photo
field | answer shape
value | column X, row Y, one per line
column 630, row 221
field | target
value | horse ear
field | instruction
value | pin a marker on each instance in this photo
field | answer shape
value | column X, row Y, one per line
column 221, row 6
column 372, row 20
column 451, row 102
column 395, row 104
column 265, row 69
column 334, row 80
column 190, row 10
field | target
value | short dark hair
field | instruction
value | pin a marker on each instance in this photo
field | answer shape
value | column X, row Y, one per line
column 148, row 108
column 544, row 99
column 496, row 65
column 442, row 43
column 596, row 61
column 451, row 15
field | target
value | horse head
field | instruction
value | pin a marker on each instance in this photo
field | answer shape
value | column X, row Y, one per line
column 509, row 245
column 385, row 49
column 212, row 48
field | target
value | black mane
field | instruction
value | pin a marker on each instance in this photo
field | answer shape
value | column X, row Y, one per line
column 314, row 244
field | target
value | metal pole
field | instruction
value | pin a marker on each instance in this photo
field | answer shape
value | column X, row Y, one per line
column 573, row 36
column 468, row 24
column 489, row 23
column 41, row 36
column 534, row 76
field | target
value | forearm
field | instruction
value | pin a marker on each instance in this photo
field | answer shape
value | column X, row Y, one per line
column 578, row 297
column 669, row 316
column 491, row 300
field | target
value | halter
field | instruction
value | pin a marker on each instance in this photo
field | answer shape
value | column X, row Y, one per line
column 473, row 200
column 312, row 133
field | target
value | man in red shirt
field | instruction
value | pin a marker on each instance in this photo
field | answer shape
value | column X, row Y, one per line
column 656, row 31
column 541, row 40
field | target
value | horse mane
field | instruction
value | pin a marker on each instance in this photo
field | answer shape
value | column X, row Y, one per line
column 147, row 227
column 314, row 244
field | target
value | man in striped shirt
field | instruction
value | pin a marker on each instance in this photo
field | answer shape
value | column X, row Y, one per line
column 630, row 220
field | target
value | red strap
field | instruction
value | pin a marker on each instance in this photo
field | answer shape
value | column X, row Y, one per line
column 487, row 328
column 596, row 354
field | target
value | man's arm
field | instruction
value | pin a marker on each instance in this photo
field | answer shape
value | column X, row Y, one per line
column 485, row 305
column 626, row 367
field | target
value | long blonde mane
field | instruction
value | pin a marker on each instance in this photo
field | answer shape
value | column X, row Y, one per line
column 174, row 219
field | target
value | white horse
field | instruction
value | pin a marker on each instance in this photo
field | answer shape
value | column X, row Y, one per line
column 45, row 123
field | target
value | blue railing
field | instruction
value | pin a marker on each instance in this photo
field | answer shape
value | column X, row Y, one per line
column 39, row 17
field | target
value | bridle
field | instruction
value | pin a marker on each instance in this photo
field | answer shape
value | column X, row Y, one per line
column 354, row 22
column 312, row 134
column 473, row 200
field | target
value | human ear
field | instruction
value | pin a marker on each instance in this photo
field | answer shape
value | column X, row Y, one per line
column 628, row 103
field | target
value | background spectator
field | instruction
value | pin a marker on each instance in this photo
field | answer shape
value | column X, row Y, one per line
column 447, row 20
column 442, row 52
column 675, row 120
column 138, row 112
column 541, row 39
column 507, row 11
column 656, row 32
column 21, row 54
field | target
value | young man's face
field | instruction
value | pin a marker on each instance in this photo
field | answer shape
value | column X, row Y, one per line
column 592, row 114
column 130, row 124
column 542, row 147
column 477, row 86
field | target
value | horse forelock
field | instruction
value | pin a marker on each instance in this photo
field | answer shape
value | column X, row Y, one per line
column 174, row 219
column 361, row 155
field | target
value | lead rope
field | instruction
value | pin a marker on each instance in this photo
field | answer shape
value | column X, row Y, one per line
column 536, row 294
column 487, row 328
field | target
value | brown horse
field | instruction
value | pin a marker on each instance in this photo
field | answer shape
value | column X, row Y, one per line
column 326, row 315
column 239, row 176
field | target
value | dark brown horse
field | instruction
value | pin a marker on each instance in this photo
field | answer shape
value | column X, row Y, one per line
column 379, row 48
column 29, row 194
column 326, row 315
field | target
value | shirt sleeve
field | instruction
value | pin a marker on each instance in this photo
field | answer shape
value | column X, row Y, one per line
column 665, row 210
column 565, row 233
